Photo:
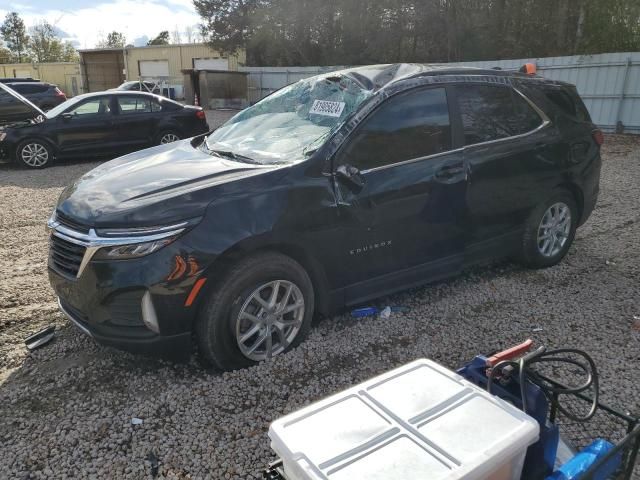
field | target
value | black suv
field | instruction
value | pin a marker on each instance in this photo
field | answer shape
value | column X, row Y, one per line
column 44, row 95
column 328, row 193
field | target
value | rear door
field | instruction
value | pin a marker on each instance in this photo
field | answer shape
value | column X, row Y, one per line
column 135, row 121
column 406, row 223
column 87, row 127
column 513, row 160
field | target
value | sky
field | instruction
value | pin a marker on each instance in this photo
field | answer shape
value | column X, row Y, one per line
column 85, row 22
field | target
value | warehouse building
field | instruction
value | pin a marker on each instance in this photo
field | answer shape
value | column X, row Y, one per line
column 163, row 64
column 66, row 75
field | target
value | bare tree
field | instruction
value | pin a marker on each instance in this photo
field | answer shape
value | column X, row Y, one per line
column 176, row 36
column 188, row 31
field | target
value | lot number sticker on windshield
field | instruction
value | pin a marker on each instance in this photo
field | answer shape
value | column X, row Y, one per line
column 325, row 107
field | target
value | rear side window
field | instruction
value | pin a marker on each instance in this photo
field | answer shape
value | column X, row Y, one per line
column 492, row 113
column 568, row 102
column 405, row 127
column 129, row 105
column 27, row 88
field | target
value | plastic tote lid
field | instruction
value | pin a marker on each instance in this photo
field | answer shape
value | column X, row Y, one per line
column 420, row 421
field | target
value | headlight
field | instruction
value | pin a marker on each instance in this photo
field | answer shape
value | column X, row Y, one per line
column 132, row 251
column 124, row 243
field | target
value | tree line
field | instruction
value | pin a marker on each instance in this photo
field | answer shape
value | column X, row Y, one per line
column 40, row 43
column 351, row 32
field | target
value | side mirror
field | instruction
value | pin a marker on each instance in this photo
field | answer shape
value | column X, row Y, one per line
column 350, row 175
column 67, row 116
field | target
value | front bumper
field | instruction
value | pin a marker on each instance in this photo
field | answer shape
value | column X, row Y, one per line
column 138, row 304
column 177, row 347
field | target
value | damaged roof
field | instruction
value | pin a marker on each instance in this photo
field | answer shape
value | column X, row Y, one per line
column 375, row 77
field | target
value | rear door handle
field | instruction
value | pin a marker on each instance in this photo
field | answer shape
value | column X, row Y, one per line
column 448, row 172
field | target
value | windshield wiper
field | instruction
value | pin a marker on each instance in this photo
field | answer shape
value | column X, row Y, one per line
column 229, row 154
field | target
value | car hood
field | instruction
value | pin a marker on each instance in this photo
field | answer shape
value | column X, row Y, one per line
column 31, row 113
column 152, row 187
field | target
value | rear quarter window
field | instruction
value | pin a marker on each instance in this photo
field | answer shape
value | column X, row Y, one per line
column 494, row 112
column 568, row 102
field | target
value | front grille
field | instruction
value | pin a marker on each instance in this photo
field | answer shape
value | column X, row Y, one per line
column 66, row 257
column 65, row 221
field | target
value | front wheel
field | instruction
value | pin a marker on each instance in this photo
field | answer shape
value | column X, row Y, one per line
column 549, row 231
column 34, row 154
column 261, row 308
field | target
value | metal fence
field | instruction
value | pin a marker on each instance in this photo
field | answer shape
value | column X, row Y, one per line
column 609, row 83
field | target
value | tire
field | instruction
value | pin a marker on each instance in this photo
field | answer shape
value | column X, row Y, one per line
column 544, row 247
column 229, row 314
column 34, row 153
column 167, row 136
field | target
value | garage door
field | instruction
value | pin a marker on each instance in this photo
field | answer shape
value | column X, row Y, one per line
column 210, row 64
column 154, row 68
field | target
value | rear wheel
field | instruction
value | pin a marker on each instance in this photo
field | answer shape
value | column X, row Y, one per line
column 549, row 231
column 34, row 154
column 168, row 136
column 262, row 308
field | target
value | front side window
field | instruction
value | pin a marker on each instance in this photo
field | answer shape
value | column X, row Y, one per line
column 492, row 112
column 408, row 126
column 132, row 105
column 289, row 125
column 95, row 106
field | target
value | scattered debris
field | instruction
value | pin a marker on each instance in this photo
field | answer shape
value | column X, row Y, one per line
column 373, row 311
column 386, row 312
column 609, row 262
column 153, row 460
column 136, row 421
column 41, row 338
column 364, row 312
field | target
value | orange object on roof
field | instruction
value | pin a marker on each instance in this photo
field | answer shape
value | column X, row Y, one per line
column 529, row 68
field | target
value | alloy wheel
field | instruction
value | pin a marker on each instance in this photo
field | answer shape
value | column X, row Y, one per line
column 554, row 229
column 270, row 319
column 34, row 154
column 169, row 138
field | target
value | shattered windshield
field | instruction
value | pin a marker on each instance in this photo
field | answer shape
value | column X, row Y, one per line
column 290, row 124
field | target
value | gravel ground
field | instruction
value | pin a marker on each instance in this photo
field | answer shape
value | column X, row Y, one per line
column 66, row 409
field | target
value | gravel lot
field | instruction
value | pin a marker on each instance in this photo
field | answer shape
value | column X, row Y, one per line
column 66, row 409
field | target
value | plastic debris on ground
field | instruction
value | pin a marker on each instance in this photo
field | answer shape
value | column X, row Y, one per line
column 153, row 461
column 136, row 421
column 41, row 338
column 373, row 311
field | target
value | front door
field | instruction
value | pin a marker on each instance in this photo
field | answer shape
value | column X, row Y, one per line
column 86, row 127
column 407, row 216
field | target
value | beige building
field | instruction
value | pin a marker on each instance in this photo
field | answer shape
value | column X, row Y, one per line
column 65, row 75
column 163, row 64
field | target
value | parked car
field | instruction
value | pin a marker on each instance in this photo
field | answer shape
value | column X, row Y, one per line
column 44, row 95
column 18, row 79
column 15, row 109
column 139, row 86
column 99, row 124
column 326, row 194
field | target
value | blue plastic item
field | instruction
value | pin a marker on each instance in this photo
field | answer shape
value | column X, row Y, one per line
column 372, row 311
column 541, row 456
column 583, row 460
column 364, row 312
